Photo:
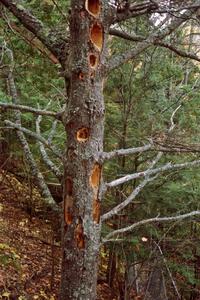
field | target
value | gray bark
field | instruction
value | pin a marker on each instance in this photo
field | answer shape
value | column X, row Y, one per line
column 156, row 285
column 25, row 146
column 84, row 128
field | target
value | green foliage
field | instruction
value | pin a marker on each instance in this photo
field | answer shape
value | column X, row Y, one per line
column 140, row 97
column 9, row 257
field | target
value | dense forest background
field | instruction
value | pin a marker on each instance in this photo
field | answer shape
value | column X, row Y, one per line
column 140, row 98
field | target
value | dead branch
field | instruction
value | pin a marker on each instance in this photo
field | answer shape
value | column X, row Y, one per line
column 138, row 38
column 32, row 110
column 151, row 220
column 152, row 172
column 158, row 35
column 25, row 146
column 34, row 135
column 44, row 154
column 128, row 200
column 125, row 12
column 52, row 40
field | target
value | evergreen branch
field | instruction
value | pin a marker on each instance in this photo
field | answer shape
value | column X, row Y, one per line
column 150, row 146
column 159, row 35
column 151, row 220
column 31, row 39
column 147, row 179
column 178, row 51
column 32, row 110
column 35, row 136
column 22, row 139
column 49, row 38
column 138, row 38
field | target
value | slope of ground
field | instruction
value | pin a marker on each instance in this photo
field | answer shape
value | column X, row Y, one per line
column 29, row 255
column 29, row 245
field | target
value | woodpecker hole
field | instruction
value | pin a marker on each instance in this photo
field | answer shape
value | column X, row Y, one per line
column 93, row 7
column 96, row 211
column 96, row 36
column 81, row 75
column 79, row 235
column 82, row 14
column 92, row 74
column 68, row 206
column 93, row 60
column 95, row 176
column 82, row 135
column 69, row 186
column 68, row 202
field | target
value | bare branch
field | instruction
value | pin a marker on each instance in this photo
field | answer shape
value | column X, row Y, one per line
column 126, row 12
column 156, row 36
column 128, row 200
column 177, row 51
column 52, row 132
column 44, row 154
column 30, row 109
column 147, row 179
column 127, row 36
column 150, row 146
column 125, row 152
column 134, row 10
column 31, row 39
column 151, row 220
column 138, row 38
column 49, row 38
column 35, row 136
column 161, row 146
column 25, row 146
column 167, row 167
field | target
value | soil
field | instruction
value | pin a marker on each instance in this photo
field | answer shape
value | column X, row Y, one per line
column 30, row 252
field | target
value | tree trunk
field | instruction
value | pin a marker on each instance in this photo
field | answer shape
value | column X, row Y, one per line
column 156, row 285
column 84, row 128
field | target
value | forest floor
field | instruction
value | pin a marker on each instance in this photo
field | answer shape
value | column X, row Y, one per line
column 30, row 249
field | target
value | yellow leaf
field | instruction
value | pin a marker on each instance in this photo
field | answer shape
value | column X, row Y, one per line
column 6, row 294
column 1, row 207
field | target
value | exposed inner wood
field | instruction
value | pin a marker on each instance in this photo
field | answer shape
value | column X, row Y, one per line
column 92, row 74
column 82, row 135
column 96, row 211
column 96, row 36
column 79, row 235
column 95, row 176
column 93, row 7
column 93, row 60
column 69, row 186
column 68, row 206
column 68, row 202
